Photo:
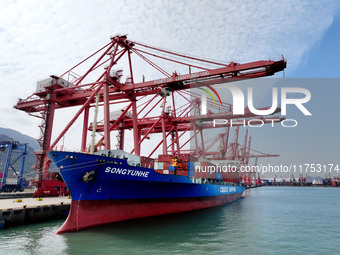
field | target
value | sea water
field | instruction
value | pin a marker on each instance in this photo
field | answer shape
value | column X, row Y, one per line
column 269, row 220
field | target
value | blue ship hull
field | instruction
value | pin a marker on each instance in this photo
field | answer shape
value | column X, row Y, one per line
column 106, row 189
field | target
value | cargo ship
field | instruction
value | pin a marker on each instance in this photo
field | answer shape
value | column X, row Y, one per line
column 111, row 186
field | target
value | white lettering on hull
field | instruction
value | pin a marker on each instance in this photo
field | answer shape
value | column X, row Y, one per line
column 227, row 189
column 124, row 171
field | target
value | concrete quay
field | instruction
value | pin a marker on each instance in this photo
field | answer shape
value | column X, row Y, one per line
column 28, row 210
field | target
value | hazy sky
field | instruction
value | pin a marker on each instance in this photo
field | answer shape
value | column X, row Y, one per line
column 40, row 38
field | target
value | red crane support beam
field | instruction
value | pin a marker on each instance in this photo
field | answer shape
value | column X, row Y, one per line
column 263, row 156
column 148, row 122
column 216, row 76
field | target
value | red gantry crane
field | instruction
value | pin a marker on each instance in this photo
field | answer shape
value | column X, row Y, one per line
column 234, row 151
column 102, row 84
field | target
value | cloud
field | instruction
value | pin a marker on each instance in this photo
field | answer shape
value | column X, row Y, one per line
column 39, row 38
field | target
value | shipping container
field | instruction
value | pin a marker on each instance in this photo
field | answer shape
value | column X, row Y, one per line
column 187, row 157
column 165, row 158
column 191, row 165
column 201, row 174
column 182, row 172
column 184, row 157
column 218, row 176
column 159, row 165
column 184, row 165
column 231, row 174
column 147, row 162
